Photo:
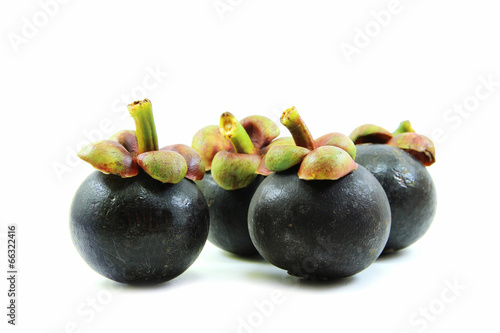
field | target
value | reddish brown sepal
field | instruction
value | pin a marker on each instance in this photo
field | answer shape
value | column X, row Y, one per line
column 262, row 168
column 195, row 164
column 420, row 146
column 337, row 140
column 208, row 141
column 128, row 140
column 370, row 133
column 260, row 129
column 110, row 157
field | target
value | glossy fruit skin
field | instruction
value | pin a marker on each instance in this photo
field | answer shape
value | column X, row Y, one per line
column 138, row 230
column 228, row 215
column 409, row 188
column 320, row 229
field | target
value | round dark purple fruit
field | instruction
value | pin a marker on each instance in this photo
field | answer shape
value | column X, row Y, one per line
column 138, row 220
column 320, row 215
column 398, row 160
column 138, row 230
column 409, row 188
column 320, row 229
column 228, row 221
column 233, row 155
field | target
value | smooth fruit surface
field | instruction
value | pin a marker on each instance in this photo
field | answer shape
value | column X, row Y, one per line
column 228, row 215
column 409, row 188
column 322, row 228
column 138, row 230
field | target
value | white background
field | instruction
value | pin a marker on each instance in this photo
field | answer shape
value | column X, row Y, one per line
column 68, row 69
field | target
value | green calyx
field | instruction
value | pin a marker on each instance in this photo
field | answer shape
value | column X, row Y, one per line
column 337, row 140
column 370, row 133
column 127, row 151
column 330, row 157
column 233, row 150
column 327, row 162
column 284, row 157
column 194, row 162
column 208, row 141
column 404, row 137
column 165, row 166
column 420, row 146
column 233, row 170
column 109, row 157
column 404, row 127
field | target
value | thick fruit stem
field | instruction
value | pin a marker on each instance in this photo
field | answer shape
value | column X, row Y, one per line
column 142, row 112
column 404, row 127
column 232, row 130
column 300, row 133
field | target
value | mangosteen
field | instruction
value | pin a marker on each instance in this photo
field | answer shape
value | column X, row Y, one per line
column 232, row 153
column 398, row 160
column 140, row 218
column 319, row 215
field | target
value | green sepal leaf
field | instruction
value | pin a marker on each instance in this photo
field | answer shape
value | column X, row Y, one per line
column 370, row 133
column 280, row 158
column 326, row 163
column 338, row 140
column 109, row 157
column 163, row 165
column 286, row 141
column 420, row 146
column 233, row 171
column 195, row 164
column 404, row 127
column 128, row 140
column 208, row 141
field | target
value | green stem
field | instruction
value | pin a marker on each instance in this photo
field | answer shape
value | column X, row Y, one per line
column 300, row 133
column 404, row 127
column 145, row 129
column 232, row 130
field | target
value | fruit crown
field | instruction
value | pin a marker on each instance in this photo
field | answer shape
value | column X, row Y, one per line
column 234, row 150
column 329, row 157
column 126, row 151
column 404, row 137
